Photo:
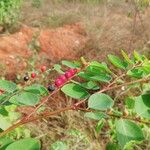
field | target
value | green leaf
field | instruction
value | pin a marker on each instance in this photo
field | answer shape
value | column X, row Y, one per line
column 137, row 56
column 146, row 67
column 112, row 146
column 3, row 111
column 129, row 103
column 4, row 96
column 136, row 73
column 126, row 57
column 57, row 67
column 142, row 105
column 75, row 91
column 101, row 66
column 7, row 86
column 116, row 61
column 37, row 89
column 100, row 101
column 100, row 125
column 128, row 131
column 4, row 123
column 69, row 64
column 95, row 115
column 102, row 77
column 90, row 85
column 4, row 142
column 59, row 146
column 25, row 98
column 28, row 144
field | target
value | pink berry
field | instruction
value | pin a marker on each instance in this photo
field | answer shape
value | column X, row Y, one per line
column 63, row 78
column 43, row 68
column 73, row 71
column 33, row 75
column 58, row 82
column 68, row 74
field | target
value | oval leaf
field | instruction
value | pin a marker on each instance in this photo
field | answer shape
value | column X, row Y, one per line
column 7, row 86
column 116, row 61
column 37, row 89
column 101, row 77
column 28, row 144
column 69, row 64
column 75, row 91
column 25, row 98
column 100, row 101
column 128, row 131
column 95, row 115
column 142, row 106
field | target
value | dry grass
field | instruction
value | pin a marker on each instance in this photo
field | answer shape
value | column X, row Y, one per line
column 56, row 129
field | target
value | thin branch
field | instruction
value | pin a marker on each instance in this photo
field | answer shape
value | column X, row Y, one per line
column 73, row 107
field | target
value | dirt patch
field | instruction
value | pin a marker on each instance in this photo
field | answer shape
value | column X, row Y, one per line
column 63, row 42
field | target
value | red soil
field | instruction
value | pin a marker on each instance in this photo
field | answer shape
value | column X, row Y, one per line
column 63, row 42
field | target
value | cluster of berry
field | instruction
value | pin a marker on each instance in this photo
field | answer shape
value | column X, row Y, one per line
column 33, row 74
column 62, row 79
column 59, row 81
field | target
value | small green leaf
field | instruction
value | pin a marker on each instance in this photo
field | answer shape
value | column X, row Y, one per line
column 116, row 61
column 101, row 66
column 57, row 67
column 59, row 146
column 4, row 123
column 112, row 146
column 101, row 77
column 128, row 131
column 25, row 98
column 137, row 56
column 69, row 64
column 3, row 111
column 129, row 103
column 142, row 105
column 100, row 125
column 4, row 96
column 7, row 86
column 126, row 57
column 28, row 144
column 136, row 73
column 37, row 89
column 90, row 85
column 100, row 101
column 95, row 115
column 4, row 142
column 75, row 91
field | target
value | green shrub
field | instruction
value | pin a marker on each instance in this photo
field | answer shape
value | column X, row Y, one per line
column 9, row 12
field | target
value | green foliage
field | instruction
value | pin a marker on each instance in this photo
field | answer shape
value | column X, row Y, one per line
column 99, row 101
column 95, row 115
column 28, row 144
column 9, row 12
column 128, row 131
column 91, row 84
column 7, row 86
column 142, row 105
column 70, row 64
column 75, row 91
column 116, row 61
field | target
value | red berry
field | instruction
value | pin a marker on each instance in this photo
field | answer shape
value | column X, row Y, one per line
column 63, row 78
column 33, row 75
column 73, row 71
column 59, row 82
column 68, row 74
column 43, row 68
